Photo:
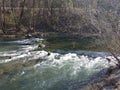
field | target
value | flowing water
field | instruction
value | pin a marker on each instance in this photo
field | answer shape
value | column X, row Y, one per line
column 23, row 66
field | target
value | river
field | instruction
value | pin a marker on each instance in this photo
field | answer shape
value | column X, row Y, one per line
column 25, row 66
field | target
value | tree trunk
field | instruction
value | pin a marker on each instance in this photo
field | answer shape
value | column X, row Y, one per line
column 0, row 17
column 21, row 15
column 33, row 15
column 13, row 13
column 3, row 16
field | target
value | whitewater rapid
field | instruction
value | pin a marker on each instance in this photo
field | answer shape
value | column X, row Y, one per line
column 56, row 67
column 28, row 52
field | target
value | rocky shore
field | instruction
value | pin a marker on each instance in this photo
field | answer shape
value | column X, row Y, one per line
column 108, row 79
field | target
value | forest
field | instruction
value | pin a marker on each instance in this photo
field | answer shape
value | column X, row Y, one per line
column 74, row 17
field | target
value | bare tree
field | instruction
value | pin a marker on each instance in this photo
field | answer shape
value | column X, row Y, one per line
column 3, row 16
column 0, row 16
column 110, row 37
column 33, row 15
column 21, row 14
column 13, row 13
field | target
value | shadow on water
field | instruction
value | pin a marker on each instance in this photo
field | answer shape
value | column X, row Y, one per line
column 64, row 43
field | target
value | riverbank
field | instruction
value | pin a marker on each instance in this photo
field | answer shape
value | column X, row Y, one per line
column 104, row 80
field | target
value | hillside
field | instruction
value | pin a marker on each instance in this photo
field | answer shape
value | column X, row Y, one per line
column 75, row 17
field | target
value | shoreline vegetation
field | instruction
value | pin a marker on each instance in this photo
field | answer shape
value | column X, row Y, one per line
column 77, row 18
column 46, row 16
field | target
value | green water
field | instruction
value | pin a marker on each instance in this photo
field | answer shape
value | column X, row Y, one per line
column 65, row 43
column 8, row 48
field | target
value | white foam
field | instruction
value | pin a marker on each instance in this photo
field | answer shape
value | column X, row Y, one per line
column 28, row 41
column 21, row 50
column 58, row 67
column 55, row 59
column 27, row 56
column 76, row 62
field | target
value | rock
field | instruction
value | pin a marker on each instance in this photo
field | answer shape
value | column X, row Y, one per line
column 41, row 45
column 10, row 57
column 28, row 36
column 49, row 53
